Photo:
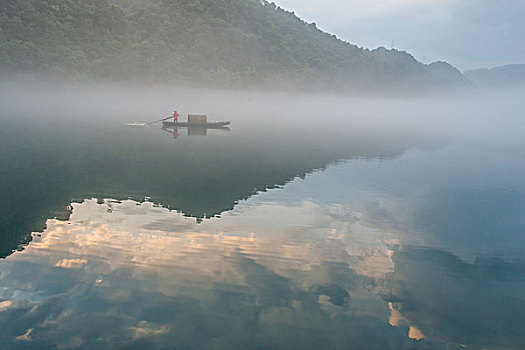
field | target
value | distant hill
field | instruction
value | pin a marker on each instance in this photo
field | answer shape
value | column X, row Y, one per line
column 448, row 72
column 512, row 75
column 219, row 43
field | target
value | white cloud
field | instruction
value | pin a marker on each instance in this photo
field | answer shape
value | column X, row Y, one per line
column 71, row 263
column 25, row 336
column 339, row 10
column 4, row 305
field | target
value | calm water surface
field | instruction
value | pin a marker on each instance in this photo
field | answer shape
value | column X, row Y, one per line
column 271, row 236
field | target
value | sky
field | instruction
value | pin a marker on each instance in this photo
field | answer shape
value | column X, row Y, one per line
column 469, row 34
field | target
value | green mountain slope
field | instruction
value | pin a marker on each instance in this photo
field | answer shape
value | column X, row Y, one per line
column 216, row 42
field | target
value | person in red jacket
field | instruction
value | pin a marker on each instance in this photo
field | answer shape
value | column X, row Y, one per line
column 175, row 117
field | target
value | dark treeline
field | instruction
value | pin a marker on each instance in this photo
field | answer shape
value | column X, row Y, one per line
column 216, row 42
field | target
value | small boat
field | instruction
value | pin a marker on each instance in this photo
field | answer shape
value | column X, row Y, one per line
column 195, row 121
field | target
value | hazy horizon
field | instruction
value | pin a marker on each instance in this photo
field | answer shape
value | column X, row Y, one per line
column 467, row 34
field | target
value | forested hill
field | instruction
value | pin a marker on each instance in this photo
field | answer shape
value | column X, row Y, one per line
column 215, row 42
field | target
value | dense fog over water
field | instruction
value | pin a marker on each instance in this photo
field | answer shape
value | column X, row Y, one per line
column 482, row 115
column 101, row 101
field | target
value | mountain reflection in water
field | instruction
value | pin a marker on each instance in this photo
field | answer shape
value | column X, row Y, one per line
column 46, row 165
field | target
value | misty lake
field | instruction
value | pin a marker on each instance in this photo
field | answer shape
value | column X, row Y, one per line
column 333, row 229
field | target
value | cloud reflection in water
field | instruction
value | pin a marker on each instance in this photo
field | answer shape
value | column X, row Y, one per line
column 322, row 263
column 141, row 274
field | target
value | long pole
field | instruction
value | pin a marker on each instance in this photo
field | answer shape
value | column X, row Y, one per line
column 161, row 120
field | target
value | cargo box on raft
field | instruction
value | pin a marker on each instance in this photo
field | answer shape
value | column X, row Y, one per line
column 197, row 119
